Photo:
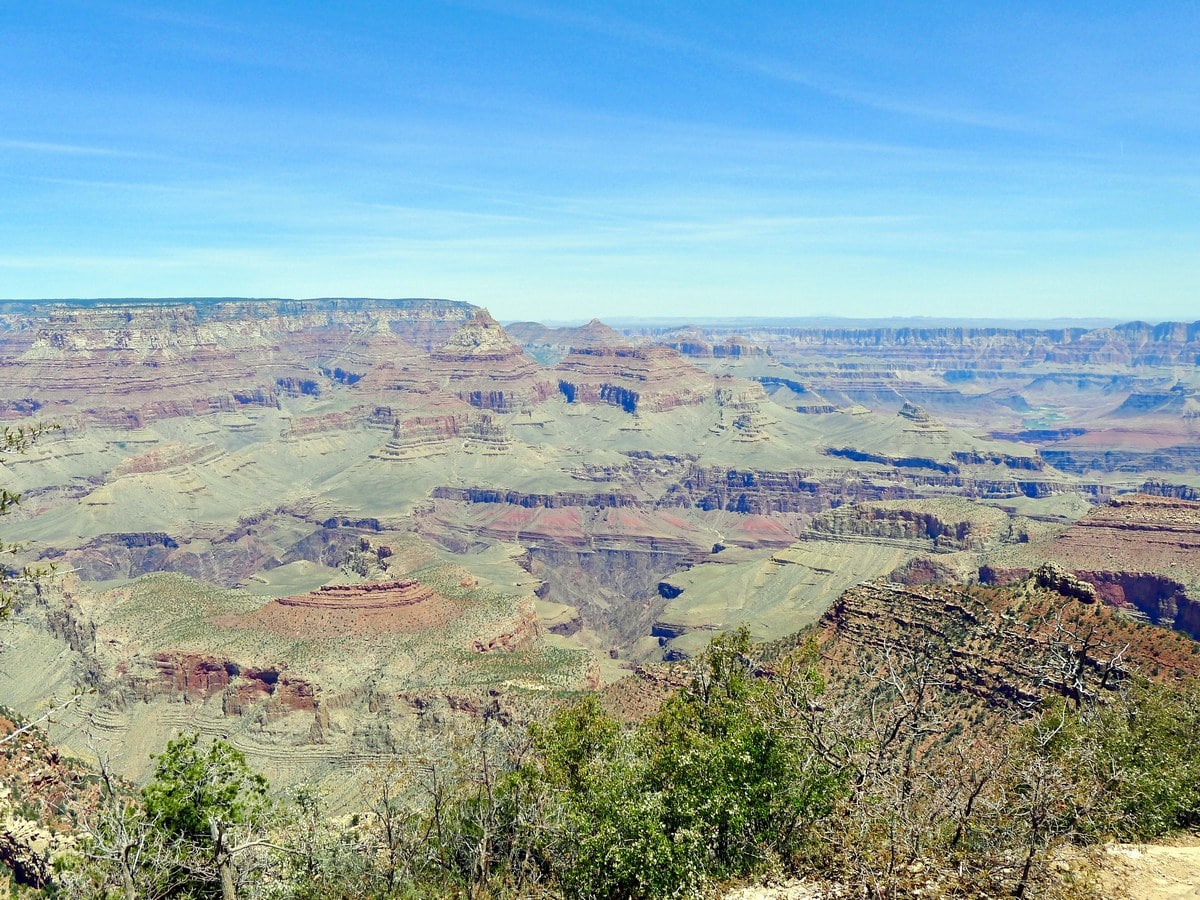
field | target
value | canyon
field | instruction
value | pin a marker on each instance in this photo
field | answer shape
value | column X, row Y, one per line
column 326, row 529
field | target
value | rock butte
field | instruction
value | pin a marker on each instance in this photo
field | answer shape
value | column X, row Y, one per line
column 330, row 523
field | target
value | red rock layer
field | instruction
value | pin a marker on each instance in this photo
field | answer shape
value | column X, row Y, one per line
column 1142, row 554
column 140, row 361
column 203, row 676
column 381, row 595
column 1136, row 533
column 360, row 610
column 479, row 365
column 635, row 378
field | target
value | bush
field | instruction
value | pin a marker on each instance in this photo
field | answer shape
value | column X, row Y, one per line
column 719, row 783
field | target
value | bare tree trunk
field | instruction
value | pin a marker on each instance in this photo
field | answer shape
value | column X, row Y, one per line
column 224, row 862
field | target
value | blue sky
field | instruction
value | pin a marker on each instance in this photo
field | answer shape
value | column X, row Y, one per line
column 567, row 160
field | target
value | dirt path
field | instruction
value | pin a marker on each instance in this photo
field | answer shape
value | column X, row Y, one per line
column 793, row 890
column 1152, row 872
column 1169, row 871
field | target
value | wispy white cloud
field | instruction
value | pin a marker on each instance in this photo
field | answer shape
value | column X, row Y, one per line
column 887, row 102
column 614, row 26
column 69, row 149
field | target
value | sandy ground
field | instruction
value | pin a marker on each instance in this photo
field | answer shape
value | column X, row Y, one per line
column 1128, row 872
column 1152, row 872
column 792, row 890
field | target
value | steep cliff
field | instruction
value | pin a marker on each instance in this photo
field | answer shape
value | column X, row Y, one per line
column 650, row 379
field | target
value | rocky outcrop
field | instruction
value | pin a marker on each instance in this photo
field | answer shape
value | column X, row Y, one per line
column 744, row 410
column 400, row 606
column 141, row 361
column 1002, row 647
column 482, row 366
column 192, row 675
column 647, row 379
column 286, row 693
column 366, row 596
column 1056, row 578
column 942, row 526
column 486, row 435
column 37, row 787
column 420, row 437
column 27, row 848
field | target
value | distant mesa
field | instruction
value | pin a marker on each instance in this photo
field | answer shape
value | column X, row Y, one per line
column 484, row 367
column 550, row 345
column 692, row 342
column 421, row 437
column 596, row 334
column 743, row 411
column 486, row 435
column 365, row 609
column 637, row 379
column 142, row 361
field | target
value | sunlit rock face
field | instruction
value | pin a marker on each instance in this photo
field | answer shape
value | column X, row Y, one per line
column 129, row 362
column 650, row 379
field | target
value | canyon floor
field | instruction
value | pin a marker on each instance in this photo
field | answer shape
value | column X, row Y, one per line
column 330, row 530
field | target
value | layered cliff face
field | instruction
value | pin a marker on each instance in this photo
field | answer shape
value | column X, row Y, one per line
column 483, row 366
column 129, row 362
column 943, row 526
column 745, row 409
column 1002, row 648
column 549, row 345
column 1137, row 552
column 1142, row 554
column 283, row 514
column 420, row 437
column 648, row 379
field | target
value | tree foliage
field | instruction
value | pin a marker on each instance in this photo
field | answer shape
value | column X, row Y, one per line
column 194, row 830
column 17, row 439
column 750, row 768
column 197, row 788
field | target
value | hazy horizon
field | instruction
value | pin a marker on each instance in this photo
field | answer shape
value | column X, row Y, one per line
column 649, row 321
